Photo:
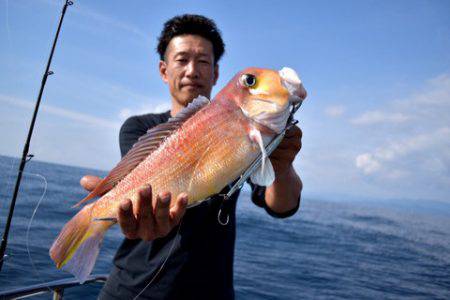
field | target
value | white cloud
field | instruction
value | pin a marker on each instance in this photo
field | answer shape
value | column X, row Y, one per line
column 367, row 163
column 144, row 109
column 60, row 112
column 374, row 117
column 414, row 155
column 403, row 152
column 335, row 110
column 373, row 162
column 437, row 92
column 125, row 113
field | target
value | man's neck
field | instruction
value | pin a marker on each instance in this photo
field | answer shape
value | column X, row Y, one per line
column 176, row 107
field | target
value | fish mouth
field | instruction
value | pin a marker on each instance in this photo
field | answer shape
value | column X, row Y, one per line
column 274, row 117
column 291, row 81
column 275, row 106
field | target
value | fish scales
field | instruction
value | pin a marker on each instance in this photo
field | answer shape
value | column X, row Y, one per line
column 188, row 160
column 200, row 150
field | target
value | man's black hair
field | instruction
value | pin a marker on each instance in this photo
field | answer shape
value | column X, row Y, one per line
column 191, row 24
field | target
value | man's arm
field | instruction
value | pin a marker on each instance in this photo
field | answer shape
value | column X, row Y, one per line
column 284, row 194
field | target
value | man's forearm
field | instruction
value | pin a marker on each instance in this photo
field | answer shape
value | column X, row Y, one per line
column 283, row 195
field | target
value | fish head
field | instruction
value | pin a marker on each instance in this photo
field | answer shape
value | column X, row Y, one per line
column 265, row 96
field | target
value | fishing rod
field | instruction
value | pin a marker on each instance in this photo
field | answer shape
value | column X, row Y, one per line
column 25, row 156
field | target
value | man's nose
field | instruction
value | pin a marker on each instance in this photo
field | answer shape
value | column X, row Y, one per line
column 192, row 69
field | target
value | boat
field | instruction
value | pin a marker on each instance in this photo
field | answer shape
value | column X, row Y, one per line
column 56, row 287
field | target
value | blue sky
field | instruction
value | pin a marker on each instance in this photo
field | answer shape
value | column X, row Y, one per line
column 376, row 121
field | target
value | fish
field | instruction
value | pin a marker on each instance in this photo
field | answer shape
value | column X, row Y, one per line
column 206, row 146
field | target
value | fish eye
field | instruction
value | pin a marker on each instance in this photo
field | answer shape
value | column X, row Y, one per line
column 248, row 80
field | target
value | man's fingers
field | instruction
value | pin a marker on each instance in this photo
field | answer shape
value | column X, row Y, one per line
column 162, row 214
column 292, row 135
column 144, row 214
column 89, row 182
column 127, row 221
column 294, row 131
column 177, row 212
column 288, row 144
column 144, row 204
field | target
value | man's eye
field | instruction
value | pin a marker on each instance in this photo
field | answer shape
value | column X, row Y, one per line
column 204, row 62
column 182, row 60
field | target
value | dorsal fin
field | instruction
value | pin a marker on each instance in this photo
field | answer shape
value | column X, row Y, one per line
column 145, row 145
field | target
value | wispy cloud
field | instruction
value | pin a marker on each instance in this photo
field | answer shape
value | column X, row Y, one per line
column 102, row 19
column 379, row 159
column 367, row 163
column 60, row 112
column 436, row 92
column 335, row 110
column 109, row 21
column 429, row 106
column 375, row 117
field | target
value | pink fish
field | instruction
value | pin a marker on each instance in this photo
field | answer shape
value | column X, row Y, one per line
column 203, row 148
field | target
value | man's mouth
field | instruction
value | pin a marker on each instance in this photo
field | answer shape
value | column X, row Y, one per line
column 191, row 85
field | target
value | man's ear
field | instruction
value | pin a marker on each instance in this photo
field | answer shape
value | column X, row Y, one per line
column 163, row 70
column 216, row 73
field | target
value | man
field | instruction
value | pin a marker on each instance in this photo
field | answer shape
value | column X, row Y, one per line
column 201, row 249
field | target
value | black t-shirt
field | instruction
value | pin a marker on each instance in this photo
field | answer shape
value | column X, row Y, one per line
column 200, row 265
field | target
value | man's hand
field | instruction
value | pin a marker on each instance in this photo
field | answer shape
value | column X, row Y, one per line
column 283, row 195
column 151, row 218
column 283, row 156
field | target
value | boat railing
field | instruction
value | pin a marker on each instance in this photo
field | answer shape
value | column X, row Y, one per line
column 56, row 286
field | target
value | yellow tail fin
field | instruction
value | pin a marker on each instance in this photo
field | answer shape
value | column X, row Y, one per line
column 77, row 246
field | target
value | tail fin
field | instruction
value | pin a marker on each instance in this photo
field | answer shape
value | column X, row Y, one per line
column 77, row 246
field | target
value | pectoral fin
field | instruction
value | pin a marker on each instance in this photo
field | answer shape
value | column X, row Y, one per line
column 264, row 175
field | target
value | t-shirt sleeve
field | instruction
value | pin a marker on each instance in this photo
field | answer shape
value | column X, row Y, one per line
column 259, row 199
column 130, row 132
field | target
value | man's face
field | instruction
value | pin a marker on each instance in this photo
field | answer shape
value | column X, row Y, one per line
column 188, row 68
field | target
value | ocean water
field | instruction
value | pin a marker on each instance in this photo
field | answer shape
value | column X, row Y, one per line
column 328, row 250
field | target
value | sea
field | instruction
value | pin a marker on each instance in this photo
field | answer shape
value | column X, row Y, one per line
column 330, row 249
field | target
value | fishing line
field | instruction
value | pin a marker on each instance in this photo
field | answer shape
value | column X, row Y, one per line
column 26, row 147
column 31, row 221
column 164, row 262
